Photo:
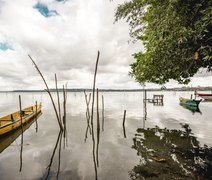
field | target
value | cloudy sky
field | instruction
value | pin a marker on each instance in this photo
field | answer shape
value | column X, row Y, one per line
column 63, row 37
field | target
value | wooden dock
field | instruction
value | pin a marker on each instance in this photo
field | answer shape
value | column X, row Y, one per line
column 157, row 100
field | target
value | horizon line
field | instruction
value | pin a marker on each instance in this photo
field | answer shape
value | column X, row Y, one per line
column 113, row 89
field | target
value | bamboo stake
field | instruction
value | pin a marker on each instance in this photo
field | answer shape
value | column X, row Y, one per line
column 98, row 127
column 103, row 118
column 123, row 124
column 22, row 131
column 64, row 114
column 92, row 113
column 58, row 97
column 66, row 95
column 36, row 110
column 48, row 91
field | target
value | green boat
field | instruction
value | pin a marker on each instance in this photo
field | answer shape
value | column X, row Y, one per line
column 193, row 109
column 189, row 102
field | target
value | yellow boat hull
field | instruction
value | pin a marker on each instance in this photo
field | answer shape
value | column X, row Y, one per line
column 8, row 138
column 13, row 121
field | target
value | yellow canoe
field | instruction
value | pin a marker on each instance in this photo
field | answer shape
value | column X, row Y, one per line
column 8, row 138
column 13, row 121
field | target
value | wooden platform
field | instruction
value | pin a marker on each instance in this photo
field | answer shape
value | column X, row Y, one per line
column 157, row 100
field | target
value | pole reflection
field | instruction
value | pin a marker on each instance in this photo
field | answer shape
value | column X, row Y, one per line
column 58, row 142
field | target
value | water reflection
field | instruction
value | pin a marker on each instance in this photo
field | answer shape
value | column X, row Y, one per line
column 91, row 126
column 58, row 142
column 116, row 157
column 170, row 154
column 144, row 112
column 87, row 100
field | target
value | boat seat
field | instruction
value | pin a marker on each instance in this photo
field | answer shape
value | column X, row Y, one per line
column 27, row 110
column 11, row 116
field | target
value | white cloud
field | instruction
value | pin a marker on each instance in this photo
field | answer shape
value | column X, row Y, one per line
column 66, row 44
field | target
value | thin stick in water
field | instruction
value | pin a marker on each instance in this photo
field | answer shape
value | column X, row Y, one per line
column 64, row 114
column 22, row 131
column 36, row 111
column 98, row 127
column 48, row 91
column 92, row 113
column 58, row 97
column 103, row 116
column 66, row 95
column 123, row 124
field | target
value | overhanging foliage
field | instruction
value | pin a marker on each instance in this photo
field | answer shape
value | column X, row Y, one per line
column 177, row 36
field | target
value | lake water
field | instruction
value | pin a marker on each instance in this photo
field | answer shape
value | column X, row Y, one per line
column 119, row 157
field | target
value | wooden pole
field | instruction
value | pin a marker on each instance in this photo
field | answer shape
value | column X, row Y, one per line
column 145, row 95
column 123, row 124
column 66, row 95
column 64, row 114
column 103, row 118
column 22, row 131
column 48, row 91
column 36, row 110
column 58, row 98
column 98, row 127
column 92, row 113
column 124, row 118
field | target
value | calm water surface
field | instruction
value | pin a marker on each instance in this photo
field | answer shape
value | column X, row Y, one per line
column 118, row 156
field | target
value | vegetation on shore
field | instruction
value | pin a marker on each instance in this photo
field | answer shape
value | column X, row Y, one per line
column 183, row 88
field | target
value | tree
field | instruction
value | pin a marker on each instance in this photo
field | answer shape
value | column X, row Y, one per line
column 177, row 36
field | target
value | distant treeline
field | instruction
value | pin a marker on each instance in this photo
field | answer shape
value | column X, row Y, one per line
column 123, row 90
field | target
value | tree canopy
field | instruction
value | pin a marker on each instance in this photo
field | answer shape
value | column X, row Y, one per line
column 177, row 36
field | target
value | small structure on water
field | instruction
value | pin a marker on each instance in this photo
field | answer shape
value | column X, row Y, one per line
column 157, row 100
